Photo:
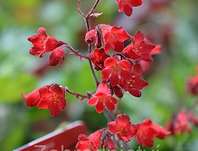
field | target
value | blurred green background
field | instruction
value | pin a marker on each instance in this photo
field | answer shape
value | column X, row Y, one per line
column 174, row 25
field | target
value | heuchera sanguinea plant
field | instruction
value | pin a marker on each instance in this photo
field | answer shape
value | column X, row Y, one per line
column 183, row 120
column 121, row 71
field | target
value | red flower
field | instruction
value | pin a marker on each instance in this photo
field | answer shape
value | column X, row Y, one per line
column 126, row 6
column 117, row 91
column 115, row 38
column 51, row 97
column 112, row 37
column 192, row 85
column 114, row 70
column 98, row 57
column 180, row 124
column 132, row 82
column 42, row 42
column 91, row 36
column 122, row 127
column 140, row 48
column 94, row 142
column 147, row 131
column 57, row 56
column 102, row 98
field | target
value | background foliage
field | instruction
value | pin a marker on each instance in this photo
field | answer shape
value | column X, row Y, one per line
column 20, row 72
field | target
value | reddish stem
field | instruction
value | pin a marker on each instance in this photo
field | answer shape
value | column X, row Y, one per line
column 78, row 95
column 75, row 52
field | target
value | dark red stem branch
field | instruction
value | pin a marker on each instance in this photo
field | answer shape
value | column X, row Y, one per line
column 75, row 52
column 78, row 95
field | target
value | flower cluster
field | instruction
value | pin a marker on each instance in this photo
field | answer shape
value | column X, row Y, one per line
column 119, row 57
column 182, row 122
column 122, row 128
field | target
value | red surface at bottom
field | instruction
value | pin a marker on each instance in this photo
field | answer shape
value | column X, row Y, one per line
column 59, row 140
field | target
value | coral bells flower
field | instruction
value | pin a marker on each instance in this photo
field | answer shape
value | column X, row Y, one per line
column 147, row 131
column 94, row 142
column 112, row 37
column 140, row 48
column 91, row 143
column 57, row 56
column 114, row 70
column 98, row 57
column 192, row 85
column 133, row 84
column 126, row 6
column 51, row 97
column 43, row 43
column 102, row 98
column 180, row 124
column 115, row 38
column 122, row 127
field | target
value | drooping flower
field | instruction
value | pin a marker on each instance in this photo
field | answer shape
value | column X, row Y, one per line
column 102, row 98
column 94, row 141
column 192, row 85
column 57, row 56
column 140, row 48
column 51, row 97
column 115, row 38
column 126, row 6
column 98, row 57
column 91, row 142
column 180, row 124
column 43, row 43
column 112, row 37
column 147, row 131
column 133, row 84
column 114, row 70
column 122, row 127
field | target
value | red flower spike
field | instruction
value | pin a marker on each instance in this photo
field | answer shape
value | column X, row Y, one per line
column 57, row 56
column 147, row 131
column 51, row 97
column 140, row 48
column 192, row 85
column 42, row 42
column 122, row 127
column 102, row 98
column 98, row 57
column 114, row 70
column 126, row 6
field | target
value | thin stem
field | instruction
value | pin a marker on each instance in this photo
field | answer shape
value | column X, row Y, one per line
column 78, row 95
column 86, row 19
column 74, row 51
column 109, row 115
column 93, row 8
